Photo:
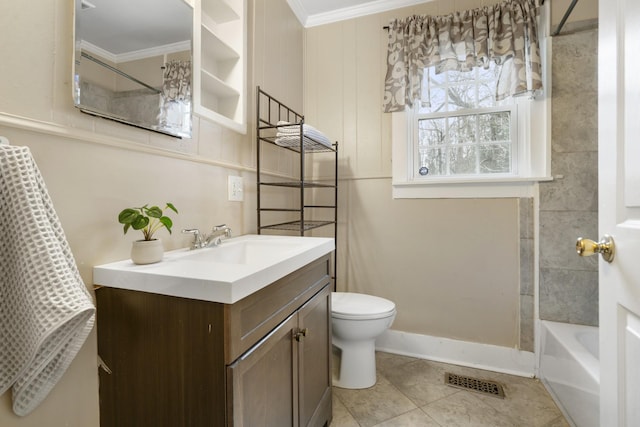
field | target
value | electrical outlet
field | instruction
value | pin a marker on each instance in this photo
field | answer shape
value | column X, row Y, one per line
column 236, row 192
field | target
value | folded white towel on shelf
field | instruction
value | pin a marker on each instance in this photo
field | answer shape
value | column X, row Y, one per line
column 288, row 135
column 46, row 311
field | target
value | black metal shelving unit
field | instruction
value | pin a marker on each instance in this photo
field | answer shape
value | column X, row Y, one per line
column 270, row 111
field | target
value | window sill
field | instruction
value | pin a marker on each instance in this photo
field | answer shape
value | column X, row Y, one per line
column 466, row 188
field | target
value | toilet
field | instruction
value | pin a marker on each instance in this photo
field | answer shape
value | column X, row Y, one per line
column 357, row 320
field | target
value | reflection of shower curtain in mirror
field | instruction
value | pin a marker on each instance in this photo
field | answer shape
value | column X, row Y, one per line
column 175, row 100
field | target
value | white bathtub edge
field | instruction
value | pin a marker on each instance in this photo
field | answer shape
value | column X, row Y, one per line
column 569, row 372
column 558, row 401
column 564, row 332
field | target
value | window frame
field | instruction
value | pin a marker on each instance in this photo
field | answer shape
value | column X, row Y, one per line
column 414, row 153
column 532, row 158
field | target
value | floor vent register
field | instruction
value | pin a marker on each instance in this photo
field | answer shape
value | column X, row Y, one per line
column 490, row 388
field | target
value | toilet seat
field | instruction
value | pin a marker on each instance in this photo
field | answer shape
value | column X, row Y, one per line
column 354, row 306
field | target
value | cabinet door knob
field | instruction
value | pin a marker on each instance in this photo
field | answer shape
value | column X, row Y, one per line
column 301, row 334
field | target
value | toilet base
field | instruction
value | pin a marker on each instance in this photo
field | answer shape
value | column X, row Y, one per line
column 357, row 367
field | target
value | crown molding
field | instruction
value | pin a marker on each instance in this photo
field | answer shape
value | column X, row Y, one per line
column 137, row 54
column 155, row 51
column 96, row 50
column 350, row 12
column 298, row 10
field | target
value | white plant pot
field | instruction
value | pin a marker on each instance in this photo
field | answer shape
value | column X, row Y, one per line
column 147, row 251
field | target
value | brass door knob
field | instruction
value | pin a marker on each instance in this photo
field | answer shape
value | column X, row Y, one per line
column 605, row 247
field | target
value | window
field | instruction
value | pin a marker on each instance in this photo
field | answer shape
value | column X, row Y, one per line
column 461, row 142
column 461, row 129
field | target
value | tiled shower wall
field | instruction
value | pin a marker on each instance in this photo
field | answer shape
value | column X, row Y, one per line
column 139, row 106
column 569, row 203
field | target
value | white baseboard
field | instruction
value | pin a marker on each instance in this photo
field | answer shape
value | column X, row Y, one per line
column 482, row 356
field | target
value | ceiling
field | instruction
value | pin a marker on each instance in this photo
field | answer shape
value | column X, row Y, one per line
column 125, row 26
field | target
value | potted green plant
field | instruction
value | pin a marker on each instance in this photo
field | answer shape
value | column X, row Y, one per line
column 147, row 219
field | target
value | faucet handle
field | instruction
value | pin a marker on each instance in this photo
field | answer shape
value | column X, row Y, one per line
column 227, row 230
column 197, row 237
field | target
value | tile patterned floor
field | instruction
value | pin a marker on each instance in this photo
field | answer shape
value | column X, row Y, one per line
column 411, row 392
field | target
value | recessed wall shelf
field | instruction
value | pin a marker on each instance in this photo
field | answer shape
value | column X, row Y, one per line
column 221, row 11
column 214, row 86
column 219, row 59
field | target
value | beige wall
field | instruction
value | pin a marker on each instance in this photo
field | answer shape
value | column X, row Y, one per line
column 93, row 167
column 449, row 265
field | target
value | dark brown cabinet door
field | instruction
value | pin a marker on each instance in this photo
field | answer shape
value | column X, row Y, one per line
column 285, row 380
column 263, row 382
column 166, row 360
column 314, row 356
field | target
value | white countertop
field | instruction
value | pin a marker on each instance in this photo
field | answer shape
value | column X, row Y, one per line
column 226, row 273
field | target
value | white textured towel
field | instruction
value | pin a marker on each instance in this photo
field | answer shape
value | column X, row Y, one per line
column 46, row 311
column 288, row 135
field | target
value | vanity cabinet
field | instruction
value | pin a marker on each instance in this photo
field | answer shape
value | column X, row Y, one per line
column 263, row 361
column 219, row 62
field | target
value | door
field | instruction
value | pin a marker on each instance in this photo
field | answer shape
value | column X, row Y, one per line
column 619, row 210
column 262, row 384
column 314, row 355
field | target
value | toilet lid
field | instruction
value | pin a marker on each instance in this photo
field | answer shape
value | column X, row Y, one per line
column 350, row 305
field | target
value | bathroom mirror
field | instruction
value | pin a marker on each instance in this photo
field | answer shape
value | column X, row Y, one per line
column 133, row 62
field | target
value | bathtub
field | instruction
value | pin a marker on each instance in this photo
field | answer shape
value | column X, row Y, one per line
column 570, row 370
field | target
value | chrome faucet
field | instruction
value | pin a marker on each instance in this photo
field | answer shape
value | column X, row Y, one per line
column 213, row 239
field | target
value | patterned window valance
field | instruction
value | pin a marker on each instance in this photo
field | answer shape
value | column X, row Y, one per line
column 177, row 81
column 506, row 33
column 175, row 98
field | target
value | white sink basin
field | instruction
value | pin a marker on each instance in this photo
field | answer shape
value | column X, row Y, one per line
column 249, row 250
column 226, row 273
